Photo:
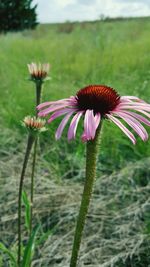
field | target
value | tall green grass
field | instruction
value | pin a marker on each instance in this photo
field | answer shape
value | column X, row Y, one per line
column 115, row 53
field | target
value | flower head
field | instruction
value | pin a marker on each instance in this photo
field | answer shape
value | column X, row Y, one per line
column 34, row 125
column 95, row 103
column 38, row 72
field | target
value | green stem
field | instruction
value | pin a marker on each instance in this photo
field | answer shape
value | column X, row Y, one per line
column 38, row 100
column 91, row 156
column 32, row 184
column 26, row 158
column 38, row 93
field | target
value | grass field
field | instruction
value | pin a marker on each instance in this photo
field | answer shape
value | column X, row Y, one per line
column 115, row 53
column 111, row 53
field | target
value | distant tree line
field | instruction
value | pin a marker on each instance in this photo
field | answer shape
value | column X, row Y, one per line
column 17, row 15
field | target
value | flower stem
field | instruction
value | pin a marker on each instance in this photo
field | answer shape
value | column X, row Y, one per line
column 32, row 184
column 27, row 154
column 91, row 156
column 38, row 93
column 38, row 100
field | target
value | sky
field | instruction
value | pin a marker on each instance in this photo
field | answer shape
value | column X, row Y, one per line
column 80, row 10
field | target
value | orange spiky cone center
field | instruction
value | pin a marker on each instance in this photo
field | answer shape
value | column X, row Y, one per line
column 99, row 98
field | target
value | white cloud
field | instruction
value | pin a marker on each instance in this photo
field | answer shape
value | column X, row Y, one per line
column 73, row 10
column 64, row 3
column 86, row 2
column 135, row 1
column 117, row 8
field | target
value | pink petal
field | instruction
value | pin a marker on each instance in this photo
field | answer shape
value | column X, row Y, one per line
column 131, row 98
column 135, row 125
column 87, row 125
column 58, row 102
column 86, row 134
column 138, row 116
column 135, row 106
column 43, row 105
column 60, row 113
column 97, row 119
column 51, row 109
column 62, row 125
column 90, row 126
column 123, row 128
column 72, row 101
column 145, row 113
column 73, row 125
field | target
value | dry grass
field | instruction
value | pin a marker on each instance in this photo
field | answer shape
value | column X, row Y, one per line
column 117, row 227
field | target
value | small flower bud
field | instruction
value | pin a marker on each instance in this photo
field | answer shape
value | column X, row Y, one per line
column 34, row 125
column 38, row 72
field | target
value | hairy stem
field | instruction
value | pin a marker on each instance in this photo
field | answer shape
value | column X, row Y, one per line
column 27, row 154
column 91, row 156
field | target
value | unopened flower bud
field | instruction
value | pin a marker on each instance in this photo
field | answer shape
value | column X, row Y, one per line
column 38, row 72
column 34, row 125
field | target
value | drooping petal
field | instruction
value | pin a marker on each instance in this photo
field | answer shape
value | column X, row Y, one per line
column 90, row 125
column 138, row 116
column 68, row 102
column 62, row 125
column 45, row 104
column 123, row 128
column 131, row 98
column 60, row 113
column 97, row 119
column 145, row 113
column 58, row 102
column 134, row 106
column 135, row 125
column 48, row 110
column 86, row 127
column 86, row 134
column 73, row 125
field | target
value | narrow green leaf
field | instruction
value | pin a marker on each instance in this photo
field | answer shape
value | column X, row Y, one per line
column 45, row 235
column 9, row 254
column 27, row 205
column 29, row 250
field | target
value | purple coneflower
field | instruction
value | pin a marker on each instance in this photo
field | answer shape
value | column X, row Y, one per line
column 94, row 103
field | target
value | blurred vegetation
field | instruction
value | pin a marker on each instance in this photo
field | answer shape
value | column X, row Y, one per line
column 111, row 53
column 115, row 53
column 17, row 15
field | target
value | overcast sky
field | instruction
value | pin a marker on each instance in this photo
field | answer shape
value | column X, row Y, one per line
column 80, row 10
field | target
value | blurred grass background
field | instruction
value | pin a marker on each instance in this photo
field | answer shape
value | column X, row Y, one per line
column 113, row 52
